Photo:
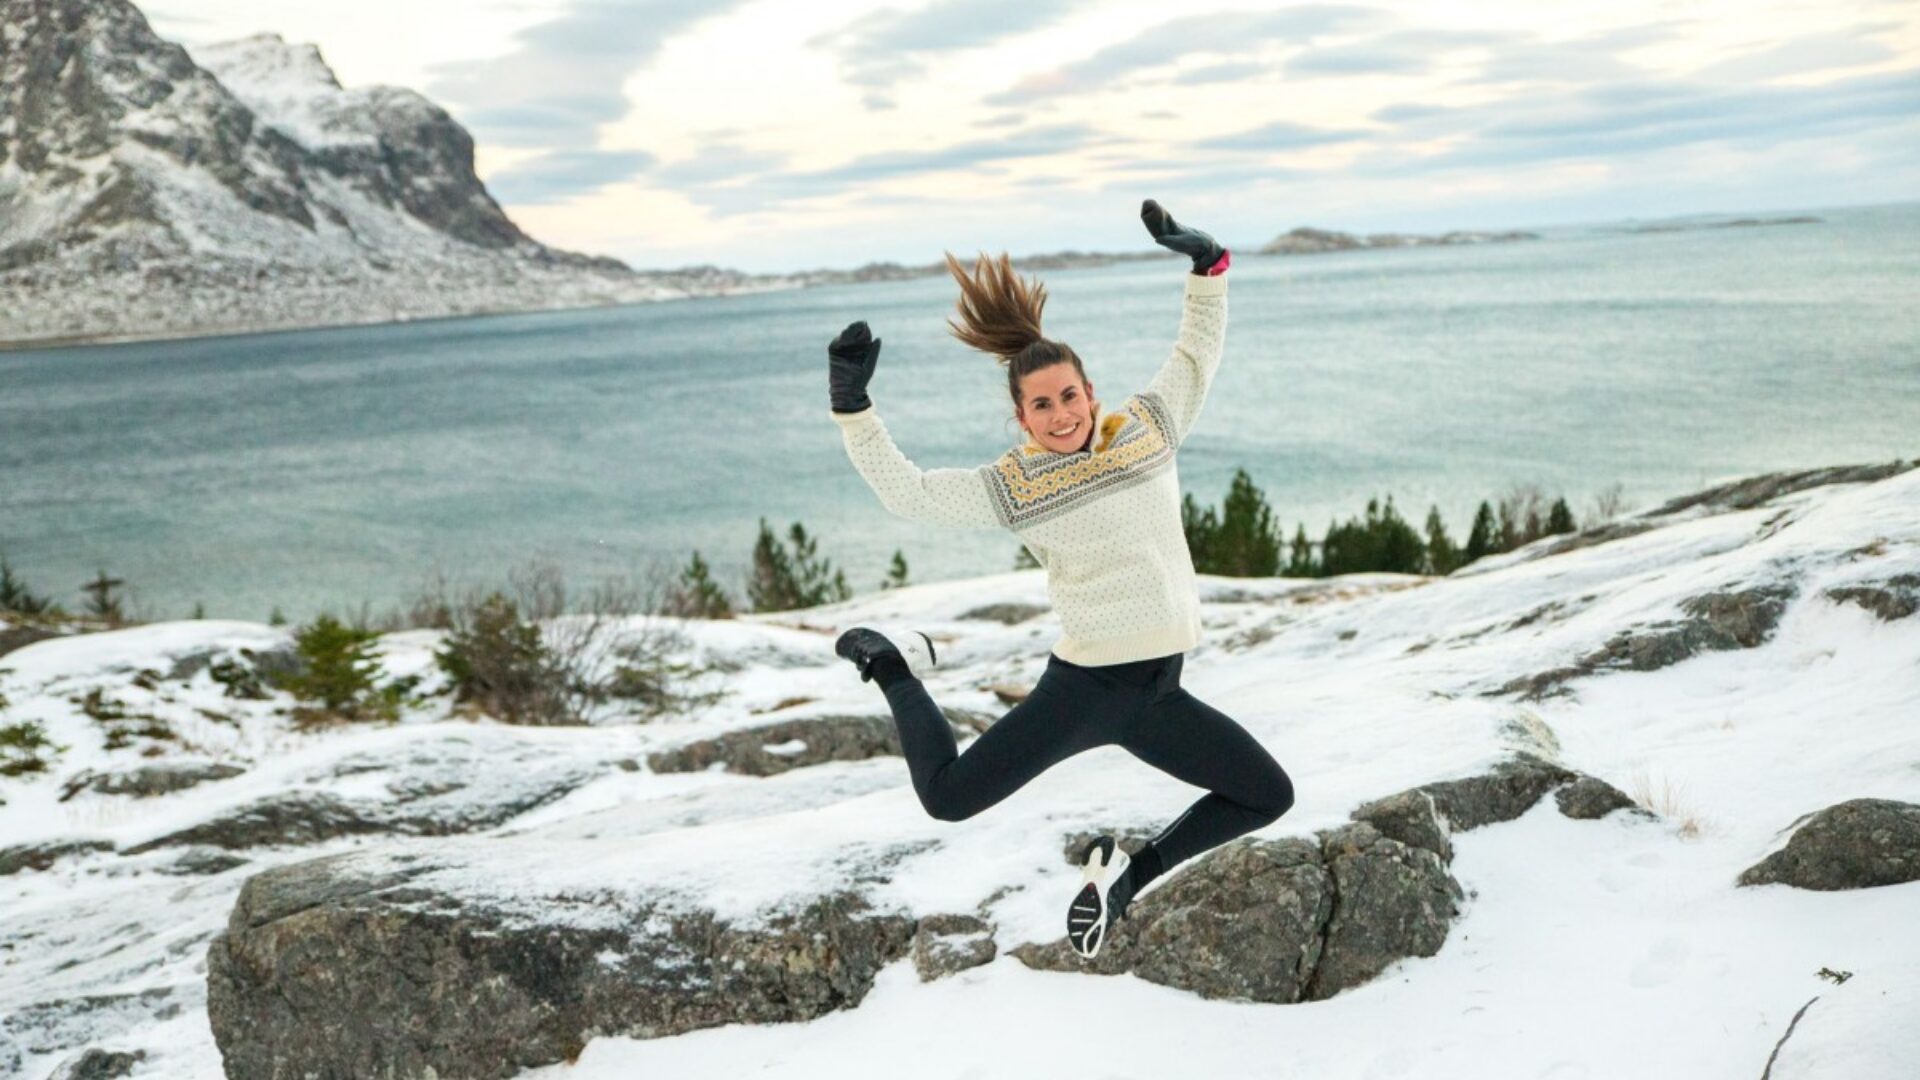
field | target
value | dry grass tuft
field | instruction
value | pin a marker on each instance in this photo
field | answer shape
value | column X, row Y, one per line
column 1669, row 801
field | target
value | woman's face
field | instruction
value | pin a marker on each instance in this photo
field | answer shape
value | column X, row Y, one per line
column 1057, row 408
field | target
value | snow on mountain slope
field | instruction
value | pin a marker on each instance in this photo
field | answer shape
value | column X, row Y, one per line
column 142, row 194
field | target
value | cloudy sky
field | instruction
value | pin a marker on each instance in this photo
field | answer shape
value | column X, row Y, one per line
column 771, row 135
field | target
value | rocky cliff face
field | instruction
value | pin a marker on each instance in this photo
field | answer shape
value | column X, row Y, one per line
column 142, row 192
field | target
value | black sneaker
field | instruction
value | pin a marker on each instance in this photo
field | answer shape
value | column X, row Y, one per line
column 1105, row 890
column 864, row 644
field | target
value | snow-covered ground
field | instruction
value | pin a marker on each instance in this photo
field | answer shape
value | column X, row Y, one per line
column 1586, row 948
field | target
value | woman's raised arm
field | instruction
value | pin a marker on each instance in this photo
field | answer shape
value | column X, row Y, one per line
column 957, row 497
column 1182, row 382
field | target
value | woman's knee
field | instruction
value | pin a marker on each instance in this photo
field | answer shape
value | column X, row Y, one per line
column 1279, row 795
column 944, row 807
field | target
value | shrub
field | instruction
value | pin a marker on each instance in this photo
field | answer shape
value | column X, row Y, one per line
column 648, row 678
column 538, row 654
column 22, row 746
column 501, row 664
column 1560, row 519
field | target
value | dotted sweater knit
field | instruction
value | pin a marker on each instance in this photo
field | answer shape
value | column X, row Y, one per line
column 1103, row 521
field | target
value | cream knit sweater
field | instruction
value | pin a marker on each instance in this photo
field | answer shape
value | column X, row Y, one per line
column 1104, row 521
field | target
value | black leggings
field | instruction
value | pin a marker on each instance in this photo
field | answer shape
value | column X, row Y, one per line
column 1139, row 706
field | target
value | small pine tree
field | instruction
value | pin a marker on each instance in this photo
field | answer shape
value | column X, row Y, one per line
column 1024, row 560
column 771, row 588
column 1560, row 518
column 199, row 610
column 1481, row 541
column 1442, row 556
column 783, row 581
column 340, row 666
column 696, row 595
column 1202, row 527
column 101, row 601
column 1248, row 541
column 897, row 572
column 1397, row 547
column 1300, row 560
column 818, row 581
column 16, row 597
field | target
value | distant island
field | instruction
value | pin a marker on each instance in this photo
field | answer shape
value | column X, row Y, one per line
column 1732, row 223
column 1305, row 241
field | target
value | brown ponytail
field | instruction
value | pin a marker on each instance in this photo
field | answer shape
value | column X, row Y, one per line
column 1000, row 315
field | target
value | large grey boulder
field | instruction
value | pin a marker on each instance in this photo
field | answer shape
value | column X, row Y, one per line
column 1856, row 844
column 1295, row 919
column 1390, row 901
column 353, row 966
column 1245, row 921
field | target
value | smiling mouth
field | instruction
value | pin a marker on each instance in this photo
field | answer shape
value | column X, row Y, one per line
column 1063, row 434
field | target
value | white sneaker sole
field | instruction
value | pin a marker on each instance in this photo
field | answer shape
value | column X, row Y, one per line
column 1087, row 917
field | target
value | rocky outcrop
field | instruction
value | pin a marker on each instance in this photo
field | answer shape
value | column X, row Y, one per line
column 147, row 781
column 41, row 856
column 350, row 966
column 1716, row 621
column 1897, row 597
column 1007, row 614
column 1590, row 798
column 770, row 749
column 1300, row 920
column 432, row 788
column 946, row 945
column 97, row 1064
column 1856, row 844
column 1754, row 491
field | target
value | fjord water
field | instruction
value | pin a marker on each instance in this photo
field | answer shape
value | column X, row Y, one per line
column 329, row 468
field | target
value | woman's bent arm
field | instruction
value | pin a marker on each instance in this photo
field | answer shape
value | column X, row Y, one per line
column 956, row 497
column 1183, row 380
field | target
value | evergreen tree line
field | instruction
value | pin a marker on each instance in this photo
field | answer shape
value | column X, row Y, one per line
column 1243, row 538
column 780, row 578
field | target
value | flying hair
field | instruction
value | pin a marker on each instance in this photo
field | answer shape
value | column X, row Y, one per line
column 999, row 311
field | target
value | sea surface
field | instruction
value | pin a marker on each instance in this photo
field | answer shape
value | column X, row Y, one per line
column 333, row 469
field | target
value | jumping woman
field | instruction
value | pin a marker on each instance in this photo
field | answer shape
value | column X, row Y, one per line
column 1094, row 496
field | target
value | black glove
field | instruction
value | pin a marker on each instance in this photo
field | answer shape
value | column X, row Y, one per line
column 1168, row 233
column 850, row 360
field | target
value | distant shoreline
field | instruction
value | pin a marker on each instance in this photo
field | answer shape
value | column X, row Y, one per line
column 1297, row 242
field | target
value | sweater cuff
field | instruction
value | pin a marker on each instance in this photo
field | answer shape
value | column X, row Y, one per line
column 851, row 419
column 1206, row 286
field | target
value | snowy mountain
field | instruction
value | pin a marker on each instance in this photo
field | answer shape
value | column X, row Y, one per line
column 1580, row 812
column 142, row 193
